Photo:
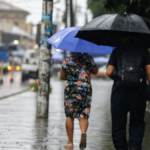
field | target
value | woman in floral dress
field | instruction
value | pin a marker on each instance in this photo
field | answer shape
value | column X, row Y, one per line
column 78, row 93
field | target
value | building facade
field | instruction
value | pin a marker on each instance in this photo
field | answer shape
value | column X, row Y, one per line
column 13, row 26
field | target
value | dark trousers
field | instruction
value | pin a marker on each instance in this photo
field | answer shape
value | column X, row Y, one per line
column 123, row 101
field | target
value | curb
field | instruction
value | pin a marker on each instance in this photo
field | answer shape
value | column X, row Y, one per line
column 13, row 94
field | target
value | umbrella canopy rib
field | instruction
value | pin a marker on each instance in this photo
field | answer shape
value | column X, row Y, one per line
column 116, row 18
column 144, row 23
column 104, row 20
column 147, row 22
column 120, row 23
column 128, row 20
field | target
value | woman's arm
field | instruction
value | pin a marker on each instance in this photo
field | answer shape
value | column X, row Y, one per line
column 95, row 70
column 63, row 75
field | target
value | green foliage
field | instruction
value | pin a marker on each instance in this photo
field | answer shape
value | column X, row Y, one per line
column 114, row 6
column 140, row 7
column 34, row 87
column 97, row 7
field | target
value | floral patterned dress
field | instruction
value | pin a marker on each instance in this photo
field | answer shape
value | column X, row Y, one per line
column 78, row 89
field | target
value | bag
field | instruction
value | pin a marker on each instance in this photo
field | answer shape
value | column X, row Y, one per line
column 82, row 67
column 130, row 71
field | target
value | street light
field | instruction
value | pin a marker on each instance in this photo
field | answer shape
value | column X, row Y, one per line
column 16, row 42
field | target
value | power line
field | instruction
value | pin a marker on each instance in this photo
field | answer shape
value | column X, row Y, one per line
column 33, row 7
column 20, row 1
column 29, row 6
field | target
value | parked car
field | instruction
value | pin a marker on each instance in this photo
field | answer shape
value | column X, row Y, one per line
column 16, row 54
column 99, row 59
column 102, row 72
column 30, row 65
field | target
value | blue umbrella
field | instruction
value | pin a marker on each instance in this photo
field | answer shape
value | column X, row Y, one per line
column 65, row 40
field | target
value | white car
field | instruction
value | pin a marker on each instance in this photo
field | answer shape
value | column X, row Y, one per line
column 30, row 66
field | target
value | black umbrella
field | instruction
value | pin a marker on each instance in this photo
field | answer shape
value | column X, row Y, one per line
column 110, row 28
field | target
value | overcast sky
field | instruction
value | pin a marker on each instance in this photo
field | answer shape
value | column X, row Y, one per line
column 35, row 8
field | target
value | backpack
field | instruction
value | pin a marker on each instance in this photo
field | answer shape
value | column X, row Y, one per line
column 130, row 70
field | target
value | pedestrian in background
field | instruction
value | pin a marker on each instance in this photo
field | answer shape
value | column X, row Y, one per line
column 78, row 93
column 128, row 66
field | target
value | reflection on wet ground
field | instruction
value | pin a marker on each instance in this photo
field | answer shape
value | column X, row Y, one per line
column 9, row 87
column 20, row 129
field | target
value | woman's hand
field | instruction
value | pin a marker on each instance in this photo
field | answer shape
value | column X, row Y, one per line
column 95, row 70
column 63, row 75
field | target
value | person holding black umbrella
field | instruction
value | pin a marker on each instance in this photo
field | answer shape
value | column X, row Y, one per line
column 128, row 66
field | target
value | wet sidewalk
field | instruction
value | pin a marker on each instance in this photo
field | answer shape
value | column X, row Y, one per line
column 21, row 130
column 8, row 88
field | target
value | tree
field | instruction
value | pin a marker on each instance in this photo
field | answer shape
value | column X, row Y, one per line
column 140, row 7
column 97, row 7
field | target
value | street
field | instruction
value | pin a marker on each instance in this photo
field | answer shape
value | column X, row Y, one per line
column 21, row 130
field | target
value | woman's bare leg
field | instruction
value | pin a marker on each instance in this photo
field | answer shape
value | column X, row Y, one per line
column 84, row 123
column 69, row 129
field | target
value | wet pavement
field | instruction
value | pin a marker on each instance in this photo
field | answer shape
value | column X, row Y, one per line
column 8, row 87
column 21, row 130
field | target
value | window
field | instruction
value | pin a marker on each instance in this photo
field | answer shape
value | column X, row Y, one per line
column 3, row 47
column 13, row 48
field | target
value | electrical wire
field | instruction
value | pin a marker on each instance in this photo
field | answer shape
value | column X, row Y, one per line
column 20, row 1
column 30, row 7
column 26, row 2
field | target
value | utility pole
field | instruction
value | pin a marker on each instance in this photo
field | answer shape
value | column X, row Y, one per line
column 45, row 55
column 38, row 34
column 71, row 14
column 66, row 21
column 66, row 14
column 75, row 12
